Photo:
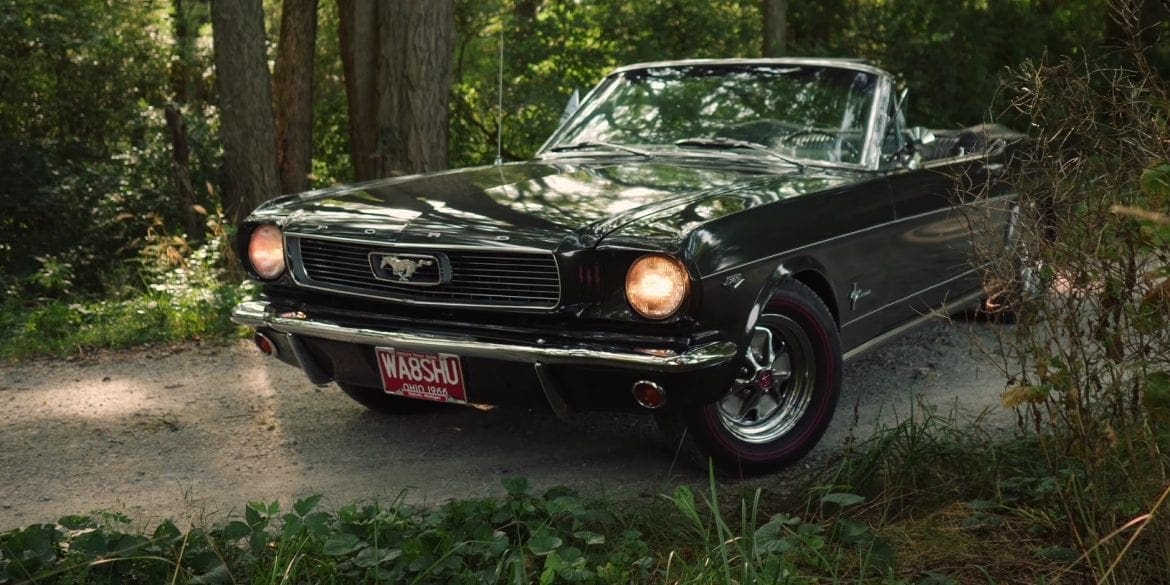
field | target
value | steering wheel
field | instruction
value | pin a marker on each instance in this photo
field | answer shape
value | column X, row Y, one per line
column 848, row 146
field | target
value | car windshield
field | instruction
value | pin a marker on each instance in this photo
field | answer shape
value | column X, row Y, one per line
column 804, row 112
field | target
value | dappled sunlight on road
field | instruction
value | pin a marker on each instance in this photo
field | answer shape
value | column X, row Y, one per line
column 171, row 432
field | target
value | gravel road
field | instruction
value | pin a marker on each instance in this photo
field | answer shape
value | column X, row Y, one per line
column 196, row 431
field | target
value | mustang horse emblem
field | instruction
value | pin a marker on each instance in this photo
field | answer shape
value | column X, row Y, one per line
column 404, row 268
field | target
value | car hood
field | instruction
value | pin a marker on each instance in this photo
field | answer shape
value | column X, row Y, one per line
column 540, row 204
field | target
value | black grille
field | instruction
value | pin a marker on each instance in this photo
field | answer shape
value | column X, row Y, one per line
column 482, row 278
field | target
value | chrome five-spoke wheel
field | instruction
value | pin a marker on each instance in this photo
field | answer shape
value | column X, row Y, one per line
column 775, row 387
column 784, row 395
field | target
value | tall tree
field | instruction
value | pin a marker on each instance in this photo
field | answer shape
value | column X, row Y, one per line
column 245, row 102
column 293, row 85
column 775, row 27
column 181, row 60
column 397, row 61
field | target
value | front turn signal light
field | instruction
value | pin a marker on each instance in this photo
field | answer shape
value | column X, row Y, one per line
column 656, row 286
column 266, row 251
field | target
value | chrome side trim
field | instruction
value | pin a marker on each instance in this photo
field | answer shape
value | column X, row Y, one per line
column 863, row 230
column 940, row 313
column 258, row 314
column 908, row 299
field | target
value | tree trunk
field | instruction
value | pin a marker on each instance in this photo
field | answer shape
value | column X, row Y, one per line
column 397, row 60
column 775, row 27
column 181, row 79
column 359, row 51
column 293, row 86
column 245, row 103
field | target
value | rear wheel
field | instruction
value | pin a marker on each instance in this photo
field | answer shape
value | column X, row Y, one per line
column 786, row 393
column 378, row 400
column 1025, row 281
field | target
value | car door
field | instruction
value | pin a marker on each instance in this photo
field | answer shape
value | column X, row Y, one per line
column 933, row 240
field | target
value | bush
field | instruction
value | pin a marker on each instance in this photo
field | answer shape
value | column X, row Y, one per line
column 1088, row 360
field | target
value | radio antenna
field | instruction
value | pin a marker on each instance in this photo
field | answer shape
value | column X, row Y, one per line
column 500, row 103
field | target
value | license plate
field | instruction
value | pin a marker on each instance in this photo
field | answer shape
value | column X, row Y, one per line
column 426, row 376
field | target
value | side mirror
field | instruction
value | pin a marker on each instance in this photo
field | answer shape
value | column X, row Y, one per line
column 571, row 106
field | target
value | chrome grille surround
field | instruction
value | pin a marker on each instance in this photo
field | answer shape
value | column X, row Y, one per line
column 480, row 277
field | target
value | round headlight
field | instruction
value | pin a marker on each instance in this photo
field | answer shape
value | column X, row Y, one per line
column 656, row 286
column 266, row 251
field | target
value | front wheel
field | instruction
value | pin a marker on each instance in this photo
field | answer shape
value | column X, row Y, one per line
column 786, row 393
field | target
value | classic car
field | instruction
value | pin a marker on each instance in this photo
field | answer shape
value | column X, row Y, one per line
column 704, row 240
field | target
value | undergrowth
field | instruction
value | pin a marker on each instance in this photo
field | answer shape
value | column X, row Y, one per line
column 930, row 500
column 183, row 293
column 1088, row 279
column 62, row 328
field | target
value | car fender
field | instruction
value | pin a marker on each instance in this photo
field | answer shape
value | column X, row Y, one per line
column 804, row 268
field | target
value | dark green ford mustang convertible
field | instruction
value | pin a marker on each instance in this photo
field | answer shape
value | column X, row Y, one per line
column 706, row 241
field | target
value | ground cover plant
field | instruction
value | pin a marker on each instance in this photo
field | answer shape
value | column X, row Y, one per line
column 929, row 500
column 556, row 536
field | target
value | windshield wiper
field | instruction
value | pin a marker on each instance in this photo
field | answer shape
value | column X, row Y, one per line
column 736, row 143
column 598, row 144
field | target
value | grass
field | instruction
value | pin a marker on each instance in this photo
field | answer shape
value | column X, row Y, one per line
column 63, row 328
column 922, row 502
column 172, row 292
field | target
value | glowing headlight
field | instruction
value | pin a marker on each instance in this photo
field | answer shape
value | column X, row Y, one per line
column 656, row 286
column 266, row 251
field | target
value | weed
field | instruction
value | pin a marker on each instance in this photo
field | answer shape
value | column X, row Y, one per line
column 1088, row 272
column 185, row 296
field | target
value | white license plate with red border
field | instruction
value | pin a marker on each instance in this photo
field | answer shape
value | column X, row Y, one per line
column 426, row 376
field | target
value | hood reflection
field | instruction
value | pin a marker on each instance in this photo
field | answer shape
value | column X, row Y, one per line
column 542, row 204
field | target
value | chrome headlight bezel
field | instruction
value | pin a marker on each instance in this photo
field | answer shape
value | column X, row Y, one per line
column 266, row 251
column 657, row 286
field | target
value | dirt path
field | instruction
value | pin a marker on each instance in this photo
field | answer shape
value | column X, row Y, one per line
column 201, row 430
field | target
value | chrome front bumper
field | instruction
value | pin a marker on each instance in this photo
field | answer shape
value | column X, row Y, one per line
column 261, row 314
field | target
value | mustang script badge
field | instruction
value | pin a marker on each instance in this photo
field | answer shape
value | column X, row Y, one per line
column 416, row 269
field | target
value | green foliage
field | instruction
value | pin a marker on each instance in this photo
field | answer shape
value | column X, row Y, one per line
column 1005, row 524
column 184, row 298
column 1087, row 360
column 554, row 537
column 331, row 156
column 950, row 54
column 554, row 48
column 84, row 153
column 953, row 55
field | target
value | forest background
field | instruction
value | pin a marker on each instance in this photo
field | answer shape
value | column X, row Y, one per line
column 121, row 175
